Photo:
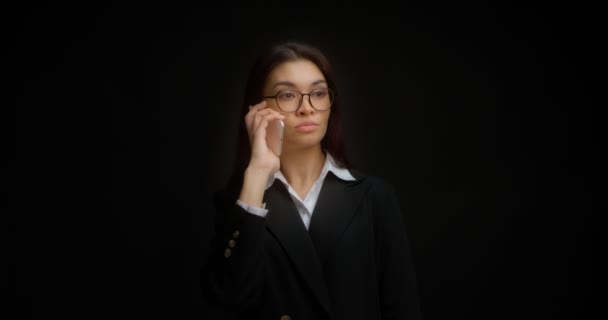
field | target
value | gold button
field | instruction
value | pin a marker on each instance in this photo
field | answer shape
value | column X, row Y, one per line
column 227, row 253
column 285, row 317
column 236, row 234
column 231, row 243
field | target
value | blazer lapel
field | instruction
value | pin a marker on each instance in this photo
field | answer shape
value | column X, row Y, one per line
column 283, row 220
column 333, row 212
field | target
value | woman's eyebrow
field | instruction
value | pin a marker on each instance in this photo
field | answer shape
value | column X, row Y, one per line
column 291, row 84
column 283, row 83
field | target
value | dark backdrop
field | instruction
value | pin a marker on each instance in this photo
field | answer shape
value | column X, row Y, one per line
column 126, row 119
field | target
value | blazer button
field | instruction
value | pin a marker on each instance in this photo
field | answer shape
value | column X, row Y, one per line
column 236, row 234
column 231, row 243
column 285, row 317
column 227, row 253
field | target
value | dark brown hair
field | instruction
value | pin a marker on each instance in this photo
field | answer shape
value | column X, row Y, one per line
column 333, row 140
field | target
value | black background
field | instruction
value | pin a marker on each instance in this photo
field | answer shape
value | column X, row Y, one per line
column 126, row 119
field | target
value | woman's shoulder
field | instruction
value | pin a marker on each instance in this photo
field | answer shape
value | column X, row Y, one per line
column 376, row 182
column 382, row 193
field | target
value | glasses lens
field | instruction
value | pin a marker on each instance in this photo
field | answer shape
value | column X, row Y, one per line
column 289, row 101
column 322, row 99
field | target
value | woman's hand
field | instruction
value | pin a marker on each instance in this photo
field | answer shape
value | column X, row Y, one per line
column 263, row 160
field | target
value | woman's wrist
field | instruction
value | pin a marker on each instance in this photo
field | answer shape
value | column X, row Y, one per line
column 254, row 185
column 258, row 175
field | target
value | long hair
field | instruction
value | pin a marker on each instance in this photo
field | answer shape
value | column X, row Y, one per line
column 333, row 140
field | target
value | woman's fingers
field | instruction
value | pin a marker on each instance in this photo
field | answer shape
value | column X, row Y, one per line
column 258, row 141
column 256, row 116
column 259, row 117
column 258, row 136
column 257, row 120
column 253, row 110
column 265, row 119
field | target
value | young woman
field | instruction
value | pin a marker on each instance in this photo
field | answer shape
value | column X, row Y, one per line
column 303, row 235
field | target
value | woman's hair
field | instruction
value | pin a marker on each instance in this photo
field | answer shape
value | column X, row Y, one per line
column 333, row 140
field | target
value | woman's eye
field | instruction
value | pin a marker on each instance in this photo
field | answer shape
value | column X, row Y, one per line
column 286, row 95
column 319, row 93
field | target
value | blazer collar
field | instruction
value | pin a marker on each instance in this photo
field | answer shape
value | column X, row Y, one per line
column 329, row 165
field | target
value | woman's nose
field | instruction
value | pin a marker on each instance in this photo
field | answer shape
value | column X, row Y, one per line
column 306, row 107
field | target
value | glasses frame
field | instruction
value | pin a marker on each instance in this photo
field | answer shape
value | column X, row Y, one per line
column 302, row 94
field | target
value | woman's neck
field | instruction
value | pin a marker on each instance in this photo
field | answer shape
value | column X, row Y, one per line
column 302, row 167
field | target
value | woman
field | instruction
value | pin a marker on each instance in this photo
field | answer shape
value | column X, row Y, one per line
column 302, row 235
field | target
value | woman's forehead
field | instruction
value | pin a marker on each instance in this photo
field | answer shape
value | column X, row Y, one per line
column 299, row 72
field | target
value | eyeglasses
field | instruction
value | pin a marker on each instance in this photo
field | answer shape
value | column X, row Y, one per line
column 291, row 100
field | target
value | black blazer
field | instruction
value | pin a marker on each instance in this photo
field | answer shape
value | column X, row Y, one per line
column 353, row 262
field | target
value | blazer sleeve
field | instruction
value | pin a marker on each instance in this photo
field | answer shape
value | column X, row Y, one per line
column 232, row 276
column 397, row 281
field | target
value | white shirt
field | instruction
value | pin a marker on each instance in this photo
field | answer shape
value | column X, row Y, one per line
column 307, row 205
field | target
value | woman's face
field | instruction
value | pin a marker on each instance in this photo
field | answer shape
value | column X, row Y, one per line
column 306, row 127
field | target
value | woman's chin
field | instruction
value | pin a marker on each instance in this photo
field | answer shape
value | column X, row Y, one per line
column 301, row 143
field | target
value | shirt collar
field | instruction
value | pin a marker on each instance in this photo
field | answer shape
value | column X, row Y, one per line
column 330, row 165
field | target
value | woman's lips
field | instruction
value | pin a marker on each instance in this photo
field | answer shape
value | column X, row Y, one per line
column 307, row 126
